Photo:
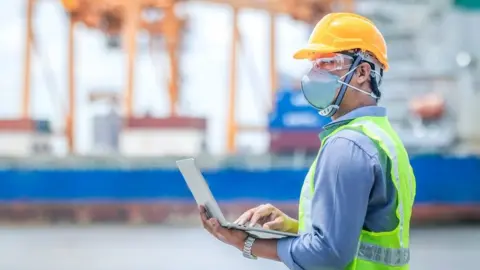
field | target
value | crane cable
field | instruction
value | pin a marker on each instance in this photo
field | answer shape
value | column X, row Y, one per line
column 49, row 78
column 253, row 74
column 155, row 67
column 48, row 74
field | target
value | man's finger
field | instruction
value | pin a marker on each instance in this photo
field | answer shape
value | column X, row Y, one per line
column 261, row 212
column 215, row 226
column 208, row 226
column 276, row 224
column 205, row 221
column 203, row 214
column 245, row 217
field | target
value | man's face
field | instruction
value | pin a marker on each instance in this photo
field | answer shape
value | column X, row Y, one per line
column 328, row 75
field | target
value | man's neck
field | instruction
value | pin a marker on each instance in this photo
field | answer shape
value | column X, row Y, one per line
column 338, row 114
column 342, row 111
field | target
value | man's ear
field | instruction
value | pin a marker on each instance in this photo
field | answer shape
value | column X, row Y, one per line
column 363, row 73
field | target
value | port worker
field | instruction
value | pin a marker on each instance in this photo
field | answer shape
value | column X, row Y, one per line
column 356, row 201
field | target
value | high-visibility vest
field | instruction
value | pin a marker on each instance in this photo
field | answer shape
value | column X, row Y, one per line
column 376, row 250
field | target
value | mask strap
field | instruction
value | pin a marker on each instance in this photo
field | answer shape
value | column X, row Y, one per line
column 362, row 91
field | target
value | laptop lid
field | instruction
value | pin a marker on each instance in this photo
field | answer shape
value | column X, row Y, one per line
column 200, row 189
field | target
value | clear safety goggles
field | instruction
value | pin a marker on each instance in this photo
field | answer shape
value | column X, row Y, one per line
column 332, row 62
column 338, row 61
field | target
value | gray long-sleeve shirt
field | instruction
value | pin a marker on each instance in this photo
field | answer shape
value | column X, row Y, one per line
column 352, row 191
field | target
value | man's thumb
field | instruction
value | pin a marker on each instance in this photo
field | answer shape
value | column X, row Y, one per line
column 275, row 224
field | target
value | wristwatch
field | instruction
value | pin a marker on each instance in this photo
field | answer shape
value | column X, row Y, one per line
column 247, row 248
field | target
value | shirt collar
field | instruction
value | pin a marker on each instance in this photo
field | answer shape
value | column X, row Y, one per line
column 375, row 111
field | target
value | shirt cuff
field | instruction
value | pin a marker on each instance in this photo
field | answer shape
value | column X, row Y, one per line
column 284, row 247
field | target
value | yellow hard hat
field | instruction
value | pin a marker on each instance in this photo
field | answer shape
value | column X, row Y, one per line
column 337, row 32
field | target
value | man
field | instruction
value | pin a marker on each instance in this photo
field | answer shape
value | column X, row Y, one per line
column 356, row 201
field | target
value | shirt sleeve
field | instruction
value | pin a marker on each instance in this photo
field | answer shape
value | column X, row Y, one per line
column 343, row 181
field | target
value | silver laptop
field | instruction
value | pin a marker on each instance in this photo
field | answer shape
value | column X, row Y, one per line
column 203, row 196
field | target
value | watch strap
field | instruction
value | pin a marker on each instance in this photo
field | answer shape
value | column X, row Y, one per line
column 247, row 248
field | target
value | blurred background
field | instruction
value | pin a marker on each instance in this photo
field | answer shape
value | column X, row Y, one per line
column 100, row 97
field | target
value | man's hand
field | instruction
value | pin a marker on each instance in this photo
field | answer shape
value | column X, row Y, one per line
column 232, row 237
column 269, row 217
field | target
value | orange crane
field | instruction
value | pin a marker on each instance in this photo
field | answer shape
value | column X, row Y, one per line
column 123, row 18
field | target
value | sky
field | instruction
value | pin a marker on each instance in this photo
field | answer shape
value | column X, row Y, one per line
column 205, row 68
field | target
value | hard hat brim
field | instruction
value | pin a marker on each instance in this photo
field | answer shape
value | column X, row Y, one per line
column 314, row 50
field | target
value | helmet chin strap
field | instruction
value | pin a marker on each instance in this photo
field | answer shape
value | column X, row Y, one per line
column 335, row 105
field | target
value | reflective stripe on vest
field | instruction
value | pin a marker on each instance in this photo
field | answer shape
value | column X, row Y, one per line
column 386, row 256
